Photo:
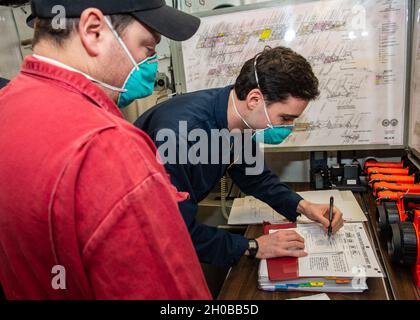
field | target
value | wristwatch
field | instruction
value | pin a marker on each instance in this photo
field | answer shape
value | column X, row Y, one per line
column 253, row 248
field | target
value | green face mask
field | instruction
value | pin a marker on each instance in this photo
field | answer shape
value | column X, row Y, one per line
column 273, row 135
column 140, row 83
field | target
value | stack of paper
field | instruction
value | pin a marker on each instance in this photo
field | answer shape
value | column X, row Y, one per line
column 340, row 264
column 250, row 210
column 315, row 284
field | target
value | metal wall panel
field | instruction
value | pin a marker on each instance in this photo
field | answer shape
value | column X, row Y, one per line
column 10, row 52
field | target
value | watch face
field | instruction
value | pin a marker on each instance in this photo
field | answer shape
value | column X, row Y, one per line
column 252, row 248
column 252, row 244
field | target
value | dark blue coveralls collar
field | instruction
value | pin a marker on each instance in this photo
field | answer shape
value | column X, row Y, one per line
column 221, row 107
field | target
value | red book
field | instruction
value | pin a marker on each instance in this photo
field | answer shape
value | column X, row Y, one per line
column 281, row 269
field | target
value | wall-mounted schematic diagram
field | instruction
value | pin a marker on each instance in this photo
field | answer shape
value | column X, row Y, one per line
column 358, row 50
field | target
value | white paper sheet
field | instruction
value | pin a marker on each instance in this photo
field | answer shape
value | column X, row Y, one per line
column 253, row 211
column 347, row 254
column 322, row 296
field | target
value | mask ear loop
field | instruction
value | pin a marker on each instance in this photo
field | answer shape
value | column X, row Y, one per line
column 270, row 124
column 108, row 22
column 237, row 112
column 239, row 115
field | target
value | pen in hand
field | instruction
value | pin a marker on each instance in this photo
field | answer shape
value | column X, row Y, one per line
column 331, row 217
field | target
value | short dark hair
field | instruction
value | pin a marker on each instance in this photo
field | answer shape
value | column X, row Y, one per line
column 45, row 30
column 282, row 73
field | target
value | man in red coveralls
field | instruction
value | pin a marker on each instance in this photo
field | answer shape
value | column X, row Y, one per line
column 86, row 211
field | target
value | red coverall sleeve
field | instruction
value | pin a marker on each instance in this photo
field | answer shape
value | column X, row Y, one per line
column 142, row 250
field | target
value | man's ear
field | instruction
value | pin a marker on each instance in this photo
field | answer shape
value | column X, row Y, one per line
column 254, row 98
column 91, row 29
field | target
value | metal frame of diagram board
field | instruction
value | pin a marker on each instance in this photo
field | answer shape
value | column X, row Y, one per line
column 415, row 57
column 180, row 78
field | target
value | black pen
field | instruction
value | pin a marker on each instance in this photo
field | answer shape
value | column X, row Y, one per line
column 331, row 217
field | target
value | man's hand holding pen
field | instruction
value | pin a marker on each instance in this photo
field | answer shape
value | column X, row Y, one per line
column 321, row 213
column 289, row 243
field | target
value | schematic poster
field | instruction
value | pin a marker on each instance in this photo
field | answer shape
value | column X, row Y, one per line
column 358, row 51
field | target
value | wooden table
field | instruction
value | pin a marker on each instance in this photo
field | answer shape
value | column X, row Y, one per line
column 241, row 282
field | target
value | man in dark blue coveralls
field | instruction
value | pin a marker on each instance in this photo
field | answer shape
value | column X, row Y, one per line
column 271, row 92
column 3, row 82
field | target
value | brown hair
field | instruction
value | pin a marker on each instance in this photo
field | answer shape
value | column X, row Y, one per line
column 282, row 73
column 45, row 30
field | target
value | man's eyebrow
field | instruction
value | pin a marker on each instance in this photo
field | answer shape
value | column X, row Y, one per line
column 152, row 40
column 290, row 116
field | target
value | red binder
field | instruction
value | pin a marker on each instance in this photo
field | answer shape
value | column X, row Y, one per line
column 282, row 269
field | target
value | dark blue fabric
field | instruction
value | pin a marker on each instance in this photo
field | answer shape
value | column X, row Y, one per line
column 3, row 82
column 207, row 110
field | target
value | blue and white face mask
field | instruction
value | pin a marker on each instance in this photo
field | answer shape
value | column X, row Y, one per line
column 140, row 82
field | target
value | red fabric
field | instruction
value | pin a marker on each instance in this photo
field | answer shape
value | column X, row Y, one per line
column 80, row 187
column 284, row 268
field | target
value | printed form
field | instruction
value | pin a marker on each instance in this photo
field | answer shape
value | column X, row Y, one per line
column 347, row 254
